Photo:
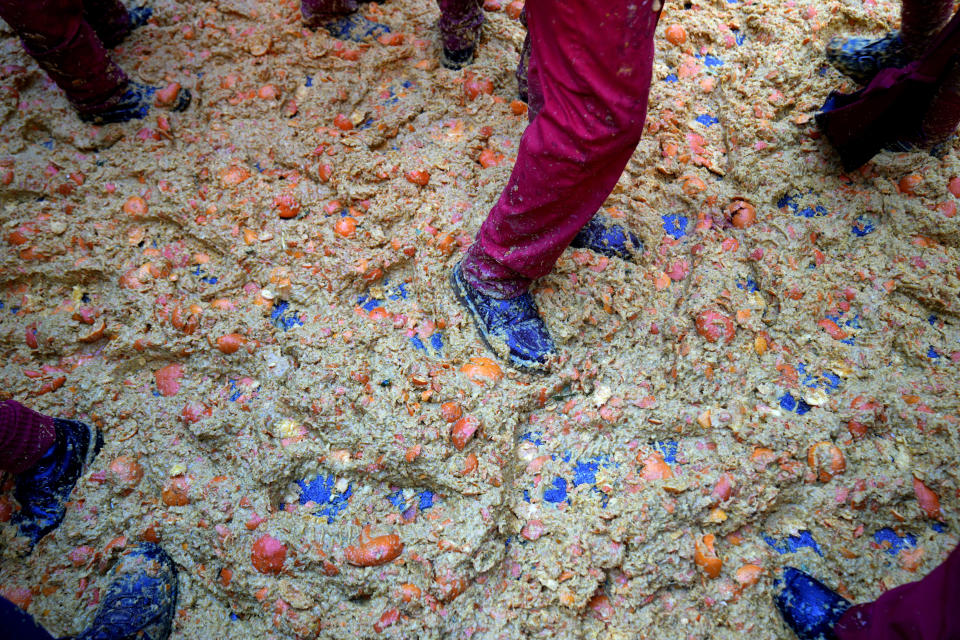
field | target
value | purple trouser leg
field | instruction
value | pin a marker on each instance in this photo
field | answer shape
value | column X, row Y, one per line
column 591, row 63
column 25, row 436
column 110, row 19
column 924, row 610
column 318, row 12
column 460, row 23
column 65, row 45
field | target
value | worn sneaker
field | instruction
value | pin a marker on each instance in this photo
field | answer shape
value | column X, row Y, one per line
column 809, row 607
column 139, row 16
column 512, row 328
column 606, row 238
column 43, row 490
column 456, row 60
column 133, row 104
column 861, row 59
column 353, row 27
column 141, row 599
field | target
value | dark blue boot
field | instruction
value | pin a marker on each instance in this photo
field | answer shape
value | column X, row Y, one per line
column 133, row 104
column 140, row 15
column 860, row 59
column 456, row 60
column 141, row 599
column 43, row 490
column 809, row 607
column 606, row 238
column 512, row 329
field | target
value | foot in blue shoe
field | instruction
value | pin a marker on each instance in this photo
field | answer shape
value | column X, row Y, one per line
column 606, row 238
column 809, row 607
column 355, row 28
column 133, row 103
column 512, row 328
column 43, row 490
column 140, row 600
column 862, row 58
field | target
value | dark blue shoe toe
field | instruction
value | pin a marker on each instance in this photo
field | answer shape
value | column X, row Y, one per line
column 44, row 489
column 512, row 328
column 141, row 599
column 140, row 15
column 862, row 58
column 356, row 28
column 808, row 606
column 607, row 238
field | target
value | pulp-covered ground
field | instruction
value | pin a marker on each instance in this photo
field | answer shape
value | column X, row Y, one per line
column 282, row 397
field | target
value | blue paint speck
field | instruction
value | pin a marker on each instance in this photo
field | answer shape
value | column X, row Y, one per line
column 283, row 317
column 322, row 492
column 671, row 78
column 792, row 544
column 426, row 500
column 436, row 341
column 897, row 543
column 535, row 437
column 675, row 225
column 707, row 120
column 668, row 449
column 863, row 226
column 418, row 344
column 557, row 492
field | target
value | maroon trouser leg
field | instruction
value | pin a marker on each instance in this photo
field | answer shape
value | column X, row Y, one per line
column 66, row 46
column 924, row 610
column 25, row 436
column 109, row 19
column 921, row 20
column 590, row 64
column 318, row 12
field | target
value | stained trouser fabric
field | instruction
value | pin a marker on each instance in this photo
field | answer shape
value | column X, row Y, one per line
column 924, row 610
column 60, row 36
column 25, row 436
column 589, row 80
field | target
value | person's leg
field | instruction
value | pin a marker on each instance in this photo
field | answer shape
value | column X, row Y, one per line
column 110, row 19
column 17, row 623
column 924, row 610
column 460, row 24
column 523, row 66
column 25, row 436
column 317, row 13
column 594, row 66
column 55, row 34
column 943, row 116
column 920, row 21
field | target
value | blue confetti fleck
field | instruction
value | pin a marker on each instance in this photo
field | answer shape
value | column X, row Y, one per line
column 156, row 394
column 671, row 78
column 938, row 527
column 426, row 500
column 707, row 120
column 14, row 310
column 372, row 304
column 712, row 60
column 400, row 292
column 897, row 543
column 668, row 449
column 257, row 165
column 436, row 341
column 235, row 393
column 418, row 344
column 210, row 280
column 932, row 319
column 557, row 492
column 536, row 437
column 863, row 226
column 233, row 617
column 749, row 285
column 48, row 144
column 396, row 499
column 1, row 305
column 282, row 318
column 740, row 37
column 932, row 353
column 321, row 491
column 309, row 81
column 675, row 225
column 792, row 544
column 526, row 495
column 585, row 472
column 789, row 403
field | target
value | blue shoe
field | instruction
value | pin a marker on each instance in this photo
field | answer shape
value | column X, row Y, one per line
column 141, row 599
column 43, row 490
column 355, row 27
column 809, row 607
column 133, row 104
column 513, row 325
column 606, row 238
column 861, row 59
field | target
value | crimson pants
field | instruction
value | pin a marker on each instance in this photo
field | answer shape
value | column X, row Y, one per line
column 589, row 79
column 25, row 436
column 460, row 20
column 69, row 39
column 924, row 610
